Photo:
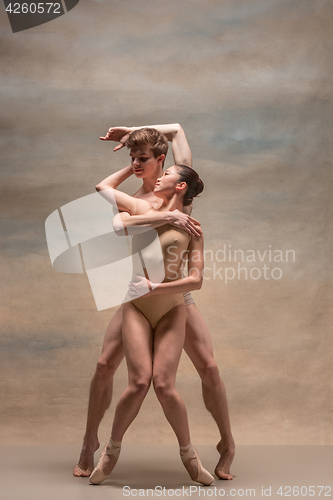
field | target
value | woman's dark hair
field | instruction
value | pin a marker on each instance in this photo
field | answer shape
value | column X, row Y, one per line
column 194, row 183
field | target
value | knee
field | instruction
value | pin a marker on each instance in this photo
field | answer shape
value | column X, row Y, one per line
column 163, row 387
column 210, row 374
column 105, row 369
column 140, row 385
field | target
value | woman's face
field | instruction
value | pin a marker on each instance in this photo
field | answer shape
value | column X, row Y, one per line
column 166, row 185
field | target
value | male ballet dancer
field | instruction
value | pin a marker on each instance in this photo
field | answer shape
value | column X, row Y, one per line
column 147, row 159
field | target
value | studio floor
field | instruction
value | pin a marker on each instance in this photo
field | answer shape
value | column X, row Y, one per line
column 45, row 473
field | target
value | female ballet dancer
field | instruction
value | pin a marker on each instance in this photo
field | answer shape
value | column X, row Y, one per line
column 155, row 322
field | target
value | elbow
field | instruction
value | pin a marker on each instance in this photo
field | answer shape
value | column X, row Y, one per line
column 103, row 186
column 198, row 282
column 118, row 226
column 177, row 128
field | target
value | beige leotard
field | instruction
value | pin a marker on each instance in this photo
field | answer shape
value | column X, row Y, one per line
column 174, row 243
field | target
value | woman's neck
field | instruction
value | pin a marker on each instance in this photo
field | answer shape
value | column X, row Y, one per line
column 175, row 203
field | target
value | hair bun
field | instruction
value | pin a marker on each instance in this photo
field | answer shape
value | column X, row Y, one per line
column 199, row 187
column 194, row 183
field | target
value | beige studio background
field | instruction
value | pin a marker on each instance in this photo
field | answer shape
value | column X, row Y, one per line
column 250, row 82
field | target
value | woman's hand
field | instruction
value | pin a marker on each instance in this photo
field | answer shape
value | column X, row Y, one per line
column 139, row 287
column 117, row 134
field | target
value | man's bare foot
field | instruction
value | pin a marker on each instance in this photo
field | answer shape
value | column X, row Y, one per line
column 222, row 470
column 85, row 464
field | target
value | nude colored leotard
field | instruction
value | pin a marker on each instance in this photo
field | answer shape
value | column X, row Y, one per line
column 174, row 243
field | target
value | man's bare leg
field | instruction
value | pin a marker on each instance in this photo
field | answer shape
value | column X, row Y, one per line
column 100, row 394
column 198, row 346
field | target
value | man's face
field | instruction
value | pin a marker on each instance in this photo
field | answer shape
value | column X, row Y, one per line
column 144, row 163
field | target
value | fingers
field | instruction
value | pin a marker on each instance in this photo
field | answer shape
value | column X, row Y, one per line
column 117, row 134
column 192, row 226
column 132, row 291
column 194, row 221
column 138, row 288
column 108, row 136
column 194, row 230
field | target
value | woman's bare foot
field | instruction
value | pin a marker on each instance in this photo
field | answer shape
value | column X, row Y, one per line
column 222, row 470
column 85, row 464
column 106, row 463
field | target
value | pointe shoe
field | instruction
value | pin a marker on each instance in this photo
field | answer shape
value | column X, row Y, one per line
column 97, row 475
column 188, row 453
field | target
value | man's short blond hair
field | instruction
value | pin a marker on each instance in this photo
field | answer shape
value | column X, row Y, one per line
column 158, row 142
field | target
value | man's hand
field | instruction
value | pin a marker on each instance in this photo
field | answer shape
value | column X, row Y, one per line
column 186, row 223
column 117, row 134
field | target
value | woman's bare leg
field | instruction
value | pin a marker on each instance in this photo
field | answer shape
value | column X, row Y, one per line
column 137, row 342
column 138, row 346
column 169, row 337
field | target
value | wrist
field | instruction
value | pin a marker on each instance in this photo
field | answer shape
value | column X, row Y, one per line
column 168, row 217
column 155, row 290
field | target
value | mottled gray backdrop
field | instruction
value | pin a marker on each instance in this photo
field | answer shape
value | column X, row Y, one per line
column 250, row 81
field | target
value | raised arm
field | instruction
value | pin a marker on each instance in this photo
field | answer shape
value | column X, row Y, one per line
column 173, row 131
column 120, row 200
column 114, row 180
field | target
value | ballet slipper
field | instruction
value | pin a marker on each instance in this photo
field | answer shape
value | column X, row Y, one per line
column 97, row 475
column 189, row 453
